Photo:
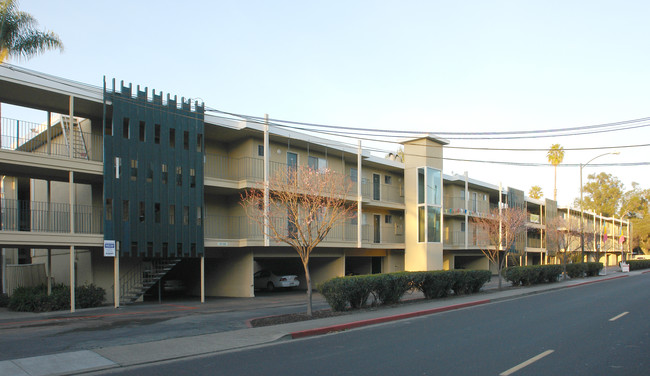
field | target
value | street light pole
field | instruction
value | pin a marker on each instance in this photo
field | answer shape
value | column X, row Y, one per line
column 582, row 211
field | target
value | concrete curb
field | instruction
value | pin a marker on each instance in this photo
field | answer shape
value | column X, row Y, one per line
column 379, row 320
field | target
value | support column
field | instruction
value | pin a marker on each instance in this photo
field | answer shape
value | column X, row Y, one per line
column 359, row 197
column 467, row 211
column 266, row 191
column 73, row 282
column 116, row 276
column 49, row 271
column 203, row 276
column 49, row 133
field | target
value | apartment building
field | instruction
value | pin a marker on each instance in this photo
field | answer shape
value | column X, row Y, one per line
column 163, row 178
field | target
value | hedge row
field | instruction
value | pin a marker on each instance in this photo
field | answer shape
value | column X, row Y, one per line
column 35, row 299
column 536, row 274
column 639, row 264
column 354, row 291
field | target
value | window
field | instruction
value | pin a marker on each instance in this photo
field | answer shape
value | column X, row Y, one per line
column 156, row 212
column 186, row 215
column 179, row 176
column 150, row 173
column 108, row 131
column 429, row 204
column 125, row 210
column 179, row 249
column 165, row 248
column 141, row 211
column 164, row 173
column 172, row 137
column 485, row 197
column 316, row 163
column 109, row 209
column 172, row 214
column 134, row 247
column 388, row 179
column 134, row 169
column 125, row 128
column 388, row 219
column 186, row 140
column 199, row 216
column 462, row 194
column 292, row 161
column 199, row 143
column 156, row 134
column 142, row 131
column 474, row 198
column 192, row 178
column 353, row 174
column 150, row 248
column 260, row 150
column 462, row 227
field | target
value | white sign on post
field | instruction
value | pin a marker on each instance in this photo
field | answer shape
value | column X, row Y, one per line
column 109, row 248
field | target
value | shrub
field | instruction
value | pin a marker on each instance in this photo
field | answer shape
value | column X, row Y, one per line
column 435, row 284
column 576, row 270
column 35, row 299
column 532, row 275
column 4, row 300
column 477, row 278
column 593, row 268
column 639, row 264
column 389, row 288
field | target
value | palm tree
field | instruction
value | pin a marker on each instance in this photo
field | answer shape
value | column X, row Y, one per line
column 555, row 156
column 19, row 36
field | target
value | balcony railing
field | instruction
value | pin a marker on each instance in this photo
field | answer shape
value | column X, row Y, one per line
column 32, row 138
column 534, row 243
column 36, row 216
column 457, row 239
column 456, row 205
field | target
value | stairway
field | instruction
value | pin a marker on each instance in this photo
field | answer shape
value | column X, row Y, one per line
column 79, row 149
column 142, row 277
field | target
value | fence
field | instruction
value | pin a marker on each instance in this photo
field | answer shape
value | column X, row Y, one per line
column 37, row 216
column 25, row 276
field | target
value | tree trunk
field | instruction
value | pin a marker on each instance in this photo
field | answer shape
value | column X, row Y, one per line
column 499, row 269
column 308, row 280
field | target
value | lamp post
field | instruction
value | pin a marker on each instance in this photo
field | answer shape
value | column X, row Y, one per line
column 582, row 211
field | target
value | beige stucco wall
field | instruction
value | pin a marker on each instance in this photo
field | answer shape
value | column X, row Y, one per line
column 419, row 256
column 231, row 275
column 61, row 265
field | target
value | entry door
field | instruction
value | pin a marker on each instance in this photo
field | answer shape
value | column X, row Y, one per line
column 376, row 224
column 375, row 186
column 292, row 160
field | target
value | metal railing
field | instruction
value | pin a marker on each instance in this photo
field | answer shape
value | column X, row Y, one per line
column 37, row 216
column 32, row 138
column 457, row 239
column 456, row 205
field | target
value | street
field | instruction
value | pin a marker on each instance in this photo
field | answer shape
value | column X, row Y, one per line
column 597, row 329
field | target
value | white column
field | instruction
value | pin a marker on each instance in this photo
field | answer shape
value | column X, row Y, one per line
column 467, row 211
column 266, row 185
column 116, row 276
column 359, row 197
column 73, row 282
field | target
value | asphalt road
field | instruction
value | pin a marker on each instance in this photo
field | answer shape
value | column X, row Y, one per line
column 597, row 329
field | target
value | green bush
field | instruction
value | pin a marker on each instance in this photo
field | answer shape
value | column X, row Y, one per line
column 593, row 268
column 389, row 288
column 477, row 278
column 4, row 300
column 435, row 284
column 532, row 275
column 639, row 264
column 35, row 299
column 576, row 270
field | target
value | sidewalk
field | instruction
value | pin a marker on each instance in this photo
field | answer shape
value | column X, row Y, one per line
column 141, row 353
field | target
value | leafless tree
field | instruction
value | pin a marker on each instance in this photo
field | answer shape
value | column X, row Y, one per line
column 501, row 228
column 563, row 238
column 304, row 204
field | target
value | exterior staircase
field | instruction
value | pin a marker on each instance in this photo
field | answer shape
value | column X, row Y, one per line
column 142, row 277
column 79, row 149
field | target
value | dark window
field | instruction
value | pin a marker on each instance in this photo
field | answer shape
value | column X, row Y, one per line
column 388, row 179
column 179, row 249
column 118, row 167
column 134, row 247
column 388, row 218
column 172, row 214
column 172, row 138
column 109, row 128
column 109, row 209
column 156, row 135
column 156, row 212
column 192, row 178
column 186, row 140
column 141, row 211
column 150, row 248
column 165, row 248
column 199, row 143
column 142, row 131
column 164, row 173
column 199, row 216
column 186, row 215
column 193, row 248
column 150, row 173
column 179, row 176
column 134, row 169
column 125, row 128
column 260, row 150
column 125, row 210
column 353, row 174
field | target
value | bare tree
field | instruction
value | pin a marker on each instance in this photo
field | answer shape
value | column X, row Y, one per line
column 563, row 238
column 501, row 227
column 304, row 205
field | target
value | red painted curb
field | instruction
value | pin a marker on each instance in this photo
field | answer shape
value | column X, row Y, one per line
column 600, row 280
column 379, row 320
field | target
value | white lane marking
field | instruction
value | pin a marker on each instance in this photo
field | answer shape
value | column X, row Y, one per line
column 526, row 363
column 619, row 316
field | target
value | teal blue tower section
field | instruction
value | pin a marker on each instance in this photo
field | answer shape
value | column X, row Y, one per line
column 153, row 174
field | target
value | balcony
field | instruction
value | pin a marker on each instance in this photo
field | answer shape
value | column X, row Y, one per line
column 456, row 206
column 24, row 136
column 35, row 216
column 457, row 239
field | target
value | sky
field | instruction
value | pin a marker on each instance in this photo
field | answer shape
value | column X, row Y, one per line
column 426, row 66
